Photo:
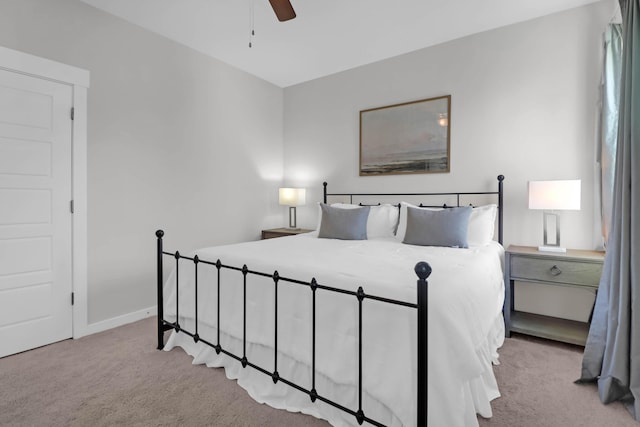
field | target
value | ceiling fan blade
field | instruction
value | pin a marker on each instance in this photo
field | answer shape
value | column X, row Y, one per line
column 283, row 9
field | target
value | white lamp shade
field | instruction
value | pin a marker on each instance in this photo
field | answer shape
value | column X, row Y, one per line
column 292, row 196
column 554, row 195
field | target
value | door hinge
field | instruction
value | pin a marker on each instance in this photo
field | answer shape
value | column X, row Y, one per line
column 72, row 298
column 73, row 113
column 71, row 206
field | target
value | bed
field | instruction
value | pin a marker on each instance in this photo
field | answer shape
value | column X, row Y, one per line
column 336, row 327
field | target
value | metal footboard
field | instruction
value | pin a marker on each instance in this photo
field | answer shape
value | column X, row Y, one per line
column 422, row 269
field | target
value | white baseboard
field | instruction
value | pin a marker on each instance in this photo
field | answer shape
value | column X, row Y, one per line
column 114, row 322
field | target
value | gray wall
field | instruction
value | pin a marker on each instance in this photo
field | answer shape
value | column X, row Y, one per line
column 175, row 140
column 524, row 104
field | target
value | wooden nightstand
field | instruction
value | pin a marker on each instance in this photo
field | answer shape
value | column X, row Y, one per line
column 281, row 232
column 575, row 268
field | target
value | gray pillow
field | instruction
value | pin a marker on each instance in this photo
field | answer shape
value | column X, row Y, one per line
column 446, row 227
column 345, row 224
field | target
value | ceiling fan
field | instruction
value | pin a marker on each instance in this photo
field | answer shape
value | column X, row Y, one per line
column 283, row 9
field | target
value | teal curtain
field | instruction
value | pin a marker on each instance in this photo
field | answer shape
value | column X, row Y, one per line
column 609, row 120
column 612, row 353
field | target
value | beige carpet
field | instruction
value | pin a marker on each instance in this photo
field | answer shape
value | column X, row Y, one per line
column 118, row 378
column 536, row 379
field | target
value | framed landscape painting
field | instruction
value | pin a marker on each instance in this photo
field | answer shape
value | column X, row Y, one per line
column 413, row 137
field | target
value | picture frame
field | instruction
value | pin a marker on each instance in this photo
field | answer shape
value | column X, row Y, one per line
column 407, row 138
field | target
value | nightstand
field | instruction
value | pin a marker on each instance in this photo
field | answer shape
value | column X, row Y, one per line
column 575, row 268
column 281, row 232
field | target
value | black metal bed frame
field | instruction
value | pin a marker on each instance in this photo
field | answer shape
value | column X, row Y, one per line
column 422, row 270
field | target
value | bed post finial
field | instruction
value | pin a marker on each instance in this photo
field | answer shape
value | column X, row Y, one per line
column 159, row 235
column 423, row 270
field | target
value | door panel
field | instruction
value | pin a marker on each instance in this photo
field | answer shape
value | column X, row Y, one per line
column 28, row 255
column 24, row 157
column 13, row 311
column 35, row 220
column 25, row 206
column 23, row 107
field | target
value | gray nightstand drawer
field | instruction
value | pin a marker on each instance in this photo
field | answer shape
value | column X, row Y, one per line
column 556, row 271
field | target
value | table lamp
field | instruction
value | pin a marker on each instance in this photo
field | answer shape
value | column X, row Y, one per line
column 550, row 196
column 292, row 197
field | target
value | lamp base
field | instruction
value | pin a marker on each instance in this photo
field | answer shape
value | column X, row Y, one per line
column 292, row 217
column 552, row 249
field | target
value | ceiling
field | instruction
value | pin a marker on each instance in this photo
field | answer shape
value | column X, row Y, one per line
column 328, row 36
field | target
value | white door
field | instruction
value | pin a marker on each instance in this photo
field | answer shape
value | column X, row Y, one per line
column 35, row 216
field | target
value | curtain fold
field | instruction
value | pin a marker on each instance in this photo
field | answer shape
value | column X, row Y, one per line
column 612, row 352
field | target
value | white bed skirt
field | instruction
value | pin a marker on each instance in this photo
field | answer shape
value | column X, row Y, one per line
column 475, row 396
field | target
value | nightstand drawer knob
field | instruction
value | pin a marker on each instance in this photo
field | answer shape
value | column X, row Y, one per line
column 555, row 271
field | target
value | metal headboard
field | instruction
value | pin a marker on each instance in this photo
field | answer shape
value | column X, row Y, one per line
column 457, row 195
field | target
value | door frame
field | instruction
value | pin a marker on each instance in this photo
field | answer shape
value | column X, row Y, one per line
column 78, row 79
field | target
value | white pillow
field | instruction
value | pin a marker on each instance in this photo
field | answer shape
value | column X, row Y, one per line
column 382, row 221
column 481, row 224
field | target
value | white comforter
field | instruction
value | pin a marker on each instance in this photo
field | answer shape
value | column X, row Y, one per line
column 465, row 325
